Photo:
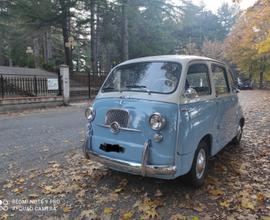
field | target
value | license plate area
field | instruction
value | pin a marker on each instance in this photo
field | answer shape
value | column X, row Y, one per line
column 112, row 148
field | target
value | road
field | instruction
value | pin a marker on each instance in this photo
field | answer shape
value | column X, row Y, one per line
column 30, row 139
column 41, row 160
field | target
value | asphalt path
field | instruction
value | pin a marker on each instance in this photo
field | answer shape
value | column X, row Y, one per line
column 28, row 140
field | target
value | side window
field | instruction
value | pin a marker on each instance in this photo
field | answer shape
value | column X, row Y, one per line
column 220, row 79
column 232, row 79
column 198, row 79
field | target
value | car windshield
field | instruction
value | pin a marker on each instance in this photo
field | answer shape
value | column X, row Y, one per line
column 150, row 77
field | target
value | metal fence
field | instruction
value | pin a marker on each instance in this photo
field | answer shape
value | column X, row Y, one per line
column 12, row 85
column 86, row 85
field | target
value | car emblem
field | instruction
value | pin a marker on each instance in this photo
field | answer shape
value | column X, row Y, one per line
column 115, row 127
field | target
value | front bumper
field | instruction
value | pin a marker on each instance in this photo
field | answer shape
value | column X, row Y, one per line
column 142, row 168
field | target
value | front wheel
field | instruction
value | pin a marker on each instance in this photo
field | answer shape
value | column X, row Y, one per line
column 85, row 148
column 237, row 139
column 199, row 168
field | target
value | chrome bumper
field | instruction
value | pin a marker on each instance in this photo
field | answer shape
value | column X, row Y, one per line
column 136, row 168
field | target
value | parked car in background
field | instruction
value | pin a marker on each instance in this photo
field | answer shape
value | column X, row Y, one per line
column 164, row 117
column 244, row 83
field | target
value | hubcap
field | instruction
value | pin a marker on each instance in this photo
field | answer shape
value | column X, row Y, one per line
column 239, row 134
column 201, row 163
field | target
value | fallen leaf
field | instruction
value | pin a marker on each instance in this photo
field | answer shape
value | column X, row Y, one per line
column 216, row 192
column 33, row 196
column 20, row 181
column 224, row 203
column 178, row 217
column 18, row 190
column 148, row 208
column 158, row 193
column 247, row 203
column 108, row 211
column 88, row 214
column 127, row 215
column 67, row 209
column 260, row 197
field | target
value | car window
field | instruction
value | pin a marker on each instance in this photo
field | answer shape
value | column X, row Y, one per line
column 157, row 77
column 198, row 79
column 220, row 79
column 232, row 79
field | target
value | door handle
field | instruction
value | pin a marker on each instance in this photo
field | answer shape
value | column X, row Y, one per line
column 185, row 110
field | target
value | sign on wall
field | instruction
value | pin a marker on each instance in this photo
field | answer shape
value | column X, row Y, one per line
column 52, row 84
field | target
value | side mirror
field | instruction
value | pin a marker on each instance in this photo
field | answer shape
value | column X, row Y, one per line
column 191, row 93
column 236, row 89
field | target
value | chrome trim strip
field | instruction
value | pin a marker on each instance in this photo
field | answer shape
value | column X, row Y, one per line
column 135, row 168
column 125, row 129
column 145, row 156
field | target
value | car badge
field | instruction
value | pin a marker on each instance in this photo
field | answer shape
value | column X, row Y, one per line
column 115, row 127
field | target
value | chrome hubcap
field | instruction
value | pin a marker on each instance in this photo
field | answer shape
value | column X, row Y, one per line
column 201, row 163
column 239, row 134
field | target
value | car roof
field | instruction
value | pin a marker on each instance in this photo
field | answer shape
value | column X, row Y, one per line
column 173, row 58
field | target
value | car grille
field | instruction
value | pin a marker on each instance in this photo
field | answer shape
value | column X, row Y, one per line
column 117, row 115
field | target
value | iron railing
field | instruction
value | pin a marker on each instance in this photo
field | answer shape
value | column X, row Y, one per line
column 13, row 85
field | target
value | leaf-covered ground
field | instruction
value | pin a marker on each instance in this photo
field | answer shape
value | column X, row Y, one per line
column 238, row 185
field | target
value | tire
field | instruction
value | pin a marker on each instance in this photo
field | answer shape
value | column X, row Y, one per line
column 199, row 168
column 84, row 148
column 237, row 139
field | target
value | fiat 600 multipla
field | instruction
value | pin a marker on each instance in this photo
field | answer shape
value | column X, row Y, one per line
column 164, row 116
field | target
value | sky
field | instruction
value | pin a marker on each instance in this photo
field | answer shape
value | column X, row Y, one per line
column 213, row 5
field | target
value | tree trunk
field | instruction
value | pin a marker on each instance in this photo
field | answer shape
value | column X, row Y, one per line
column 125, row 52
column 262, row 70
column 98, row 42
column 93, row 37
column 250, row 72
column 261, row 79
column 36, row 52
column 47, row 45
column 2, row 60
column 65, row 32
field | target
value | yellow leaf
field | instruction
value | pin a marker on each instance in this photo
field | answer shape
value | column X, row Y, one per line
column 18, row 190
column 108, row 211
column 67, row 209
column 118, row 190
column 225, row 203
column 88, row 214
column 178, row 217
column 260, row 197
column 127, row 215
column 20, row 181
column 216, row 192
column 8, row 185
column 247, row 204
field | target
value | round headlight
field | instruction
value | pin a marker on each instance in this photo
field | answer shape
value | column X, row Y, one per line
column 157, row 122
column 90, row 113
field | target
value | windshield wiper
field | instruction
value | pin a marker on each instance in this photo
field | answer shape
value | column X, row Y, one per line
column 139, row 87
column 108, row 88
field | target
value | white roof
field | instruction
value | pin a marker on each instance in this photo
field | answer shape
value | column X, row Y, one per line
column 176, row 58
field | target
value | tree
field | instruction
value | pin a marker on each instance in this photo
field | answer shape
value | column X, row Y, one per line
column 124, row 36
column 247, row 43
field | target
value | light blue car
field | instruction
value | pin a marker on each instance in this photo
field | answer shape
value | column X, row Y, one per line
column 164, row 116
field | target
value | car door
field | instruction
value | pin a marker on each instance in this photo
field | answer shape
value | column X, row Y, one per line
column 197, row 113
column 225, row 120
